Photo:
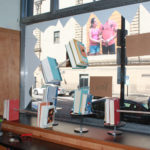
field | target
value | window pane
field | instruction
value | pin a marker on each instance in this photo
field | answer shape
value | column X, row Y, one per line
column 41, row 6
column 70, row 3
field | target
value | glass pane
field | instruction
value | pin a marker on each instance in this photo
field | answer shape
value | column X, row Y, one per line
column 70, row 3
column 41, row 6
column 101, row 25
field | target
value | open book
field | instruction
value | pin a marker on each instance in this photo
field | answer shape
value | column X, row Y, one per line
column 82, row 101
column 77, row 54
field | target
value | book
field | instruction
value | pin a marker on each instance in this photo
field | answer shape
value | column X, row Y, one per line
column 86, row 104
column 50, row 94
column 82, row 101
column 39, row 111
column 107, row 105
column 71, row 56
column 79, row 52
column 11, row 110
column 34, row 105
column 45, row 115
column 76, row 104
column 112, row 117
column 51, row 72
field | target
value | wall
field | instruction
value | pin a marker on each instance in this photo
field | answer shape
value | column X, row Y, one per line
column 10, row 14
column 9, row 65
column 138, row 78
column 9, row 50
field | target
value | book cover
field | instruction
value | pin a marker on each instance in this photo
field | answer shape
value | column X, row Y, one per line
column 76, row 103
column 111, row 111
column 107, row 111
column 11, row 110
column 50, row 94
column 112, row 117
column 81, row 50
column 83, row 104
column 80, row 100
column 83, row 91
column 39, row 111
column 47, row 116
column 88, row 108
column 5, row 109
column 71, row 56
column 86, row 104
column 51, row 72
column 117, row 114
column 54, row 68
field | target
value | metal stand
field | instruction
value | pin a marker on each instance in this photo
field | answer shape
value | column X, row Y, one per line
column 55, row 123
column 114, row 132
column 81, row 129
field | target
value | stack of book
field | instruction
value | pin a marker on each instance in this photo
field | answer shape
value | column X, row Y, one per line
column 82, row 102
column 77, row 54
column 50, row 94
column 11, row 110
column 112, row 117
column 45, row 115
column 51, row 72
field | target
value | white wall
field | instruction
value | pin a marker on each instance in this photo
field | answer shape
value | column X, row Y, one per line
column 144, row 20
column 10, row 14
column 57, row 51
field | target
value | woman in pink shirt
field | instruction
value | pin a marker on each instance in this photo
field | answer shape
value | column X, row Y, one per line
column 109, row 32
column 94, row 36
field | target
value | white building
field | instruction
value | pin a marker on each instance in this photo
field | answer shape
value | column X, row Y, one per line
column 54, row 36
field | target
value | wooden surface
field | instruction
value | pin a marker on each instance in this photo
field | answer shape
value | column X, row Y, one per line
column 75, row 141
column 9, row 65
column 28, row 143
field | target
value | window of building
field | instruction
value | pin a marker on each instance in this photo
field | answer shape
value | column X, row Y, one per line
column 83, row 81
column 56, row 37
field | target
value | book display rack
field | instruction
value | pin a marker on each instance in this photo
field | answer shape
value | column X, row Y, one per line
column 81, row 129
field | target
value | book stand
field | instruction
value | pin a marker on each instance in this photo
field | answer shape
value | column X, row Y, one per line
column 80, row 129
column 115, row 132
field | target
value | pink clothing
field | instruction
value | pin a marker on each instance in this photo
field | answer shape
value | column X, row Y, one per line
column 95, row 35
column 108, row 30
